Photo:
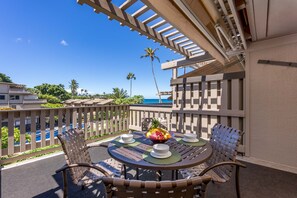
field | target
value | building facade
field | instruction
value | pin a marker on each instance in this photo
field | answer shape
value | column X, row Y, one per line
column 17, row 97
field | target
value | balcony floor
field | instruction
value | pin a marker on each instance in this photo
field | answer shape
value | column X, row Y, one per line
column 38, row 179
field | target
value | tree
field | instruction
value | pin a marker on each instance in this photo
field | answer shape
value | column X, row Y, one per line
column 73, row 85
column 54, row 90
column 5, row 78
column 131, row 77
column 150, row 53
column 119, row 93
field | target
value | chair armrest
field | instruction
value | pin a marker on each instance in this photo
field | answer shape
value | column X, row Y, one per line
column 236, row 163
column 103, row 144
column 65, row 167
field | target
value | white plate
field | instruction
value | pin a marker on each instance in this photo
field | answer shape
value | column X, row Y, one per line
column 132, row 141
column 155, row 155
column 189, row 140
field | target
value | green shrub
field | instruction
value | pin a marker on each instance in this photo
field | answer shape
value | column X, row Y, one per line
column 4, row 134
column 51, row 105
column 49, row 98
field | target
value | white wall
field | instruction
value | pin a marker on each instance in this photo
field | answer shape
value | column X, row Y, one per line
column 271, row 103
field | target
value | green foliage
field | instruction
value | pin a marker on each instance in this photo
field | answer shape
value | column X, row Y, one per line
column 5, row 78
column 4, row 133
column 119, row 93
column 33, row 90
column 155, row 123
column 138, row 99
column 52, row 105
column 54, row 90
column 49, row 98
column 82, row 97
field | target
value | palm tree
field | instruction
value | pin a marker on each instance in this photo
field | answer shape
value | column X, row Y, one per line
column 149, row 52
column 118, row 93
column 131, row 77
column 73, row 85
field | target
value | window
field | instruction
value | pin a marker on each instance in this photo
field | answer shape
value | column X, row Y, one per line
column 2, row 97
column 14, row 97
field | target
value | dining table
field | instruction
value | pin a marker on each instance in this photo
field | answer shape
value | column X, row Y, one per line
column 137, row 154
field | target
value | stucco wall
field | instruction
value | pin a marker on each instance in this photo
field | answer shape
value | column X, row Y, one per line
column 271, row 107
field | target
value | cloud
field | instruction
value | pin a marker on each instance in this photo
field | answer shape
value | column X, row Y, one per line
column 64, row 43
column 18, row 40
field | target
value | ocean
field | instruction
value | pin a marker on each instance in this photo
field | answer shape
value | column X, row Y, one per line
column 150, row 101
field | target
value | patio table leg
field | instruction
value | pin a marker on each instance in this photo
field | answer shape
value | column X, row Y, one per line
column 176, row 174
column 172, row 175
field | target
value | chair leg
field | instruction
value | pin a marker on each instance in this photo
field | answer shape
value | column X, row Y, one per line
column 237, row 181
column 65, row 184
column 137, row 173
column 125, row 171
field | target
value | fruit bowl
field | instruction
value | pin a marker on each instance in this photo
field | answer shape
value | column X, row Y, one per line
column 158, row 135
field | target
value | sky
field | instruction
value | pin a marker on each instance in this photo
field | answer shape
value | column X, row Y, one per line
column 59, row 40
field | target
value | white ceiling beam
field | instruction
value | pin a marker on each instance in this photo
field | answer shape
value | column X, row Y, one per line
column 186, row 62
column 182, row 41
column 187, row 44
column 177, row 37
column 166, row 29
column 191, row 46
column 127, row 4
column 194, row 49
column 159, row 24
column 141, row 11
column 237, row 22
column 172, row 34
column 150, row 19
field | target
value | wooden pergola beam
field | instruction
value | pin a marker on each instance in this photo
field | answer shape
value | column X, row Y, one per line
column 140, row 12
column 124, row 18
column 150, row 19
column 186, row 62
column 167, row 10
column 127, row 4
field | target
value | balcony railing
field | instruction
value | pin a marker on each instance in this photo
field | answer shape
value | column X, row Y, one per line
column 43, row 125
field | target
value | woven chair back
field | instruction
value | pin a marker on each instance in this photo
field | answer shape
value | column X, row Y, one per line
column 224, row 141
column 75, row 151
column 194, row 187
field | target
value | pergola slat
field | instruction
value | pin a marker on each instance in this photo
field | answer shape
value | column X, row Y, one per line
column 182, row 41
column 166, row 29
column 190, row 46
column 172, row 34
column 194, row 49
column 140, row 12
column 187, row 44
column 177, row 37
column 127, row 4
column 159, row 24
column 124, row 18
column 150, row 19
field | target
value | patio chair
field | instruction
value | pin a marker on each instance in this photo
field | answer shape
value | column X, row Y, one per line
column 83, row 172
column 118, row 187
column 224, row 141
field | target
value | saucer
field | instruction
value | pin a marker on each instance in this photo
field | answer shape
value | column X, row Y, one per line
column 155, row 155
column 130, row 142
column 189, row 140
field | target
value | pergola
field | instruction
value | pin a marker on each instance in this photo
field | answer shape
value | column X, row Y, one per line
column 243, row 53
column 174, row 25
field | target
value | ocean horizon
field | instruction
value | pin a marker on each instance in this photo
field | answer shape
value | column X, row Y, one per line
column 151, row 101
